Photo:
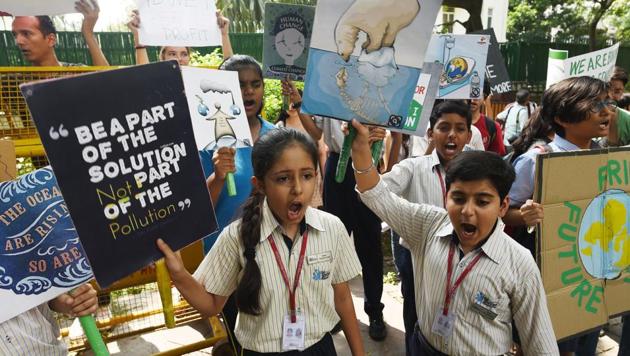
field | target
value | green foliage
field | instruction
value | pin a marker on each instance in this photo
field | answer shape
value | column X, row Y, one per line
column 391, row 278
column 248, row 15
column 24, row 165
column 273, row 99
column 213, row 59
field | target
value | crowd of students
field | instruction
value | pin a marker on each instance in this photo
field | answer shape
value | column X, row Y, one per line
column 279, row 269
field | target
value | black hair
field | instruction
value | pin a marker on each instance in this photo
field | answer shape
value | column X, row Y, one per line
column 458, row 107
column 241, row 61
column 620, row 74
column 521, row 96
column 478, row 165
column 624, row 102
column 570, row 101
column 284, row 114
column 535, row 129
column 46, row 25
column 267, row 150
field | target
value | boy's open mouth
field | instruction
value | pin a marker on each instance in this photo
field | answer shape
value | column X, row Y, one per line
column 294, row 210
column 249, row 103
column 468, row 230
column 604, row 124
column 451, row 146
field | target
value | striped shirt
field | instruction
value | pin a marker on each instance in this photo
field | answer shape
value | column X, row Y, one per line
column 333, row 134
column 506, row 275
column 330, row 259
column 34, row 332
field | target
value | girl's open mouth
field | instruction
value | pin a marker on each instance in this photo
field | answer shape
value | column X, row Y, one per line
column 295, row 209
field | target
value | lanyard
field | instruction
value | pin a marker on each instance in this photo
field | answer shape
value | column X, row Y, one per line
column 285, row 276
column 439, row 174
column 450, row 290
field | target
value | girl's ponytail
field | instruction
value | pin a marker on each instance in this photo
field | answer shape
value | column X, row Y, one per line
column 248, row 289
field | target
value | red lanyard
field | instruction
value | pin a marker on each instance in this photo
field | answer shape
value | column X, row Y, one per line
column 285, row 276
column 439, row 174
column 450, row 290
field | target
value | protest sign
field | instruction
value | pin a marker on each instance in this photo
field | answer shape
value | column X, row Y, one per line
column 464, row 60
column 38, row 7
column 8, row 169
column 123, row 151
column 358, row 68
column 178, row 23
column 423, row 100
column 496, row 72
column 216, row 108
column 40, row 254
column 583, row 245
column 598, row 64
column 286, row 40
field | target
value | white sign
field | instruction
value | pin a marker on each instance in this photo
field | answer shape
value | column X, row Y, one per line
column 37, row 7
column 216, row 108
column 178, row 23
column 598, row 64
column 555, row 66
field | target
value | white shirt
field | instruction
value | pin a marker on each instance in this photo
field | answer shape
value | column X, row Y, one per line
column 506, row 275
column 515, row 119
column 419, row 144
column 333, row 134
column 330, row 259
column 34, row 332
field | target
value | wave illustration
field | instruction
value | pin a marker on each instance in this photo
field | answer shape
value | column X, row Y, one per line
column 26, row 182
column 5, row 280
column 32, row 285
column 52, row 249
column 74, row 274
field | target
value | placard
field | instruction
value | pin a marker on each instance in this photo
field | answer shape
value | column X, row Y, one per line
column 178, row 23
column 216, row 108
column 464, row 60
column 40, row 254
column 286, row 40
column 583, row 245
column 365, row 59
column 123, row 151
column 423, row 99
column 598, row 64
column 38, row 7
column 496, row 72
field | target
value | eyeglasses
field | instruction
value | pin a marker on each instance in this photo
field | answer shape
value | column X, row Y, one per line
column 606, row 103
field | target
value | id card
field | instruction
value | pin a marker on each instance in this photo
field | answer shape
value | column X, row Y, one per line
column 443, row 324
column 485, row 310
column 293, row 333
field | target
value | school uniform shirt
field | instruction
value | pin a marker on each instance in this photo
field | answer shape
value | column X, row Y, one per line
column 330, row 259
column 525, row 168
column 515, row 120
column 333, row 134
column 505, row 276
column 34, row 332
column 227, row 208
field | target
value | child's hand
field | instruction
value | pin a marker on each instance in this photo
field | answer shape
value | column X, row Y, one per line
column 289, row 89
column 361, row 141
column 223, row 23
column 79, row 302
column 532, row 213
column 224, row 163
column 134, row 23
column 173, row 260
column 377, row 133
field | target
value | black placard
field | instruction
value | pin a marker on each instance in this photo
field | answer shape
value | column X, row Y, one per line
column 496, row 72
column 122, row 148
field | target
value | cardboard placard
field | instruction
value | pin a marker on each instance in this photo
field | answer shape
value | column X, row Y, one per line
column 464, row 60
column 123, row 151
column 8, row 168
column 583, row 245
column 423, row 99
column 286, row 40
column 38, row 7
column 40, row 254
column 216, row 108
column 496, row 72
column 178, row 23
column 374, row 85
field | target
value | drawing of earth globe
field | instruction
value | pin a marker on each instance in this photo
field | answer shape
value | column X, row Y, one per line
column 456, row 69
column 604, row 237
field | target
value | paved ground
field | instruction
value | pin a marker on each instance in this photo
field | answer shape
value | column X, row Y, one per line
column 393, row 345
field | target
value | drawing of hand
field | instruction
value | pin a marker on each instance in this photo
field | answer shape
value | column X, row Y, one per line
column 381, row 20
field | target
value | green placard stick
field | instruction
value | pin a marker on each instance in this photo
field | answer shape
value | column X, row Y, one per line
column 93, row 335
column 376, row 152
column 344, row 155
column 231, row 185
